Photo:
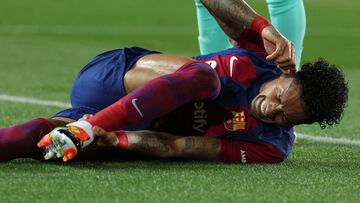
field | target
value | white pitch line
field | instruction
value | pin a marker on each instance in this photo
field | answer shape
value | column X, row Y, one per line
column 34, row 101
column 40, row 102
column 329, row 140
column 178, row 30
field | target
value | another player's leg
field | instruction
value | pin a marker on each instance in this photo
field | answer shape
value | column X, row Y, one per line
column 211, row 36
column 289, row 18
column 19, row 141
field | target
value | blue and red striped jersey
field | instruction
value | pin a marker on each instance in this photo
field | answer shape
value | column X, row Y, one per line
column 241, row 72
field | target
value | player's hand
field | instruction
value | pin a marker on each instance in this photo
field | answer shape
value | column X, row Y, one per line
column 103, row 138
column 85, row 117
column 281, row 51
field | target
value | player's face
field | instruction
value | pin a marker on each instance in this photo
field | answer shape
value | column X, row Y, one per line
column 279, row 102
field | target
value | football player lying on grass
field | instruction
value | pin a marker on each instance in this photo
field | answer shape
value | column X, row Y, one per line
column 229, row 106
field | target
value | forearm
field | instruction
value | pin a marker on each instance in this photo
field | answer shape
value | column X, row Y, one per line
column 233, row 16
column 164, row 145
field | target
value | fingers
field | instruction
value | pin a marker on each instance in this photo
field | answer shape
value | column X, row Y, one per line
column 287, row 60
column 279, row 48
column 288, row 66
column 100, row 136
column 277, row 53
column 104, row 138
column 86, row 116
column 98, row 131
column 281, row 51
column 285, row 57
column 291, row 54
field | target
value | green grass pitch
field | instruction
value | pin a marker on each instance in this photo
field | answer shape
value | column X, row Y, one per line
column 44, row 43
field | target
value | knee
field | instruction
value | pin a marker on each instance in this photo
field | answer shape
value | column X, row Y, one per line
column 206, row 80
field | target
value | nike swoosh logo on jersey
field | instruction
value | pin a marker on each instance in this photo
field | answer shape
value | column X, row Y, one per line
column 232, row 61
column 212, row 64
column 133, row 101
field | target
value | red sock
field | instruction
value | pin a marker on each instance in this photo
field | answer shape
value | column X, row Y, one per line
column 156, row 98
column 20, row 141
column 123, row 140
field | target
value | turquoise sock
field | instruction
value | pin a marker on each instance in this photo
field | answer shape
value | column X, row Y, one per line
column 211, row 36
column 288, row 16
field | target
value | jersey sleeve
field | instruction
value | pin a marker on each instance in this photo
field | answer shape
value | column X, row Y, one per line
column 235, row 151
column 251, row 41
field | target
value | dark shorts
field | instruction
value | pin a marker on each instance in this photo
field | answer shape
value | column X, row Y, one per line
column 100, row 83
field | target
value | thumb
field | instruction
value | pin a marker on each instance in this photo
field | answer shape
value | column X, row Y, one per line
column 278, row 52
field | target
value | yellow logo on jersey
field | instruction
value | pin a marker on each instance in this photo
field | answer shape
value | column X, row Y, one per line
column 235, row 121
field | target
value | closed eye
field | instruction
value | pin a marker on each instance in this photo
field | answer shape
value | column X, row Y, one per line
column 278, row 94
column 287, row 121
column 285, row 118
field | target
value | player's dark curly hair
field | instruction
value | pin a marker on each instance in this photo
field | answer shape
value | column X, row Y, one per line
column 324, row 92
